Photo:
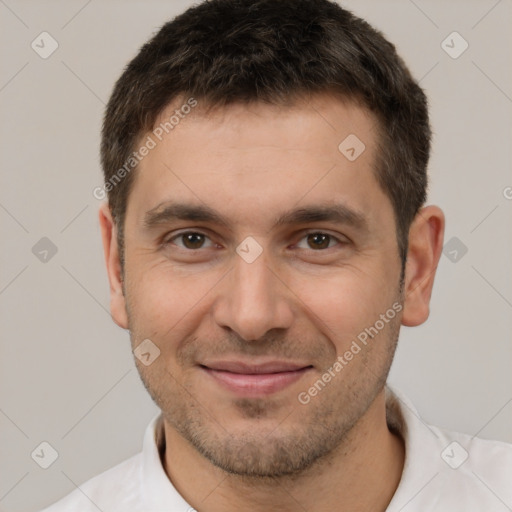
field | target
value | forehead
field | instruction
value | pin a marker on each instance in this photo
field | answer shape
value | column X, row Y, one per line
column 242, row 122
column 245, row 160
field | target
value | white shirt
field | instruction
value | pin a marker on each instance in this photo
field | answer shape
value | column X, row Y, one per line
column 443, row 471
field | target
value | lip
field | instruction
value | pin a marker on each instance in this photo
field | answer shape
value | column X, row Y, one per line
column 255, row 379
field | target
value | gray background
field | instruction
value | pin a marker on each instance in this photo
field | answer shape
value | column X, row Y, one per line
column 67, row 375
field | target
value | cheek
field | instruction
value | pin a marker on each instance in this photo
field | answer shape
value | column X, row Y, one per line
column 163, row 304
column 343, row 305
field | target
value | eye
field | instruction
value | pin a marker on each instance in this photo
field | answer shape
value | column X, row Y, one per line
column 318, row 240
column 194, row 240
column 190, row 240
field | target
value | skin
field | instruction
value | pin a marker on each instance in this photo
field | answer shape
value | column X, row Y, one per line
column 199, row 301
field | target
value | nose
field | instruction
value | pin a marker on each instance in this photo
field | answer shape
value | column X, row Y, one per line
column 253, row 299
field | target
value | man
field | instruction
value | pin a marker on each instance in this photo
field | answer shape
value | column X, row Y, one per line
column 265, row 237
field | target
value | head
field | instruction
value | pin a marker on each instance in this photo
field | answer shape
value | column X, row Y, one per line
column 243, row 108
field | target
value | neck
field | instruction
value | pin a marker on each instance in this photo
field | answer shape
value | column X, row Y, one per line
column 361, row 474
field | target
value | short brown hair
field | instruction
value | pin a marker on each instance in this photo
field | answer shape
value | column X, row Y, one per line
column 227, row 51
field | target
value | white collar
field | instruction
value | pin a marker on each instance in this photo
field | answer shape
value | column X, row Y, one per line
column 420, row 440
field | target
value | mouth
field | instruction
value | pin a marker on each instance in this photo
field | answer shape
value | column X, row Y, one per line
column 255, row 379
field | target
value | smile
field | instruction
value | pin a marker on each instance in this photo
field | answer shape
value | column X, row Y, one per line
column 255, row 380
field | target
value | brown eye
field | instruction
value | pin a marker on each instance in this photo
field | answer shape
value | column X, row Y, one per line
column 321, row 241
column 193, row 240
column 189, row 240
column 318, row 240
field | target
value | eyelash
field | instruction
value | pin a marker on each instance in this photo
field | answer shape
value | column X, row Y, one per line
column 183, row 233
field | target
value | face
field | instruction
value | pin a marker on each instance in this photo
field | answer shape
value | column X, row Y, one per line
column 257, row 256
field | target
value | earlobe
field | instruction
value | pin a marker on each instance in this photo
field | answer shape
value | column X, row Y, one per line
column 426, row 236
column 113, row 264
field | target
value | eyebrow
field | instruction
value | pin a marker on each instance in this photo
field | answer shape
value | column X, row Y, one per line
column 167, row 212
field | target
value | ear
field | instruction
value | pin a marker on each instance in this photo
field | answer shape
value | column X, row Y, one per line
column 426, row 236
column 111, row 251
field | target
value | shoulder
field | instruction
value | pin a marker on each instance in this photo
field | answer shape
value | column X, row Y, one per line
column 447, row 470
column 477, row 466
column 116, row 489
